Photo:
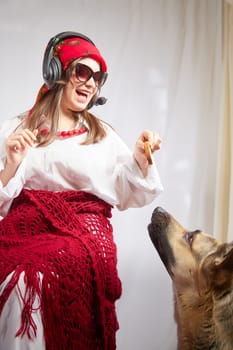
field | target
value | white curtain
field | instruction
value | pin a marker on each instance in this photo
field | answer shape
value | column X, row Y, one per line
column 223, row 224
column 164, row 59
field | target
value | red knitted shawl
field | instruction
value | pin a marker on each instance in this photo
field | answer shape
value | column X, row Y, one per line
column 68, row 238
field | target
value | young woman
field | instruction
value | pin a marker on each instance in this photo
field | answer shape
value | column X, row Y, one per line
column 62, row 171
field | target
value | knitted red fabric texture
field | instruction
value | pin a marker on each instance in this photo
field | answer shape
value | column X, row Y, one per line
column 67, row 237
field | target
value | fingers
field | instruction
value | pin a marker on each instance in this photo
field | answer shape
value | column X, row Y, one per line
column 153, row 138
column 149, row 136
column 20, row 140
column 147, row 143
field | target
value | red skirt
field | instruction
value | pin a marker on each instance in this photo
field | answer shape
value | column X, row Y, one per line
column 67, row 237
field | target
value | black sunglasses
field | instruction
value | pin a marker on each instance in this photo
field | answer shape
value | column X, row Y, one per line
column 83, row 73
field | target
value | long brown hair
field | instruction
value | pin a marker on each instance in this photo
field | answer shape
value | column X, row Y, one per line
column 46, row 110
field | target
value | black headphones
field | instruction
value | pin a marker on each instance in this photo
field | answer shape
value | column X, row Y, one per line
column 52, row 66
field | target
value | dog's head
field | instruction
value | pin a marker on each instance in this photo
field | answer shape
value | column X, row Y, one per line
column 201, row 269
column 190, row 257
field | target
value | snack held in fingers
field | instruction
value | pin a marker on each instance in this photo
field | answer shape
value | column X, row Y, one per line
column 147, row 148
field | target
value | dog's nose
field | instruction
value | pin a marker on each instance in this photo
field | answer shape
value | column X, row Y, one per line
column 159, row 210
column 159, row 215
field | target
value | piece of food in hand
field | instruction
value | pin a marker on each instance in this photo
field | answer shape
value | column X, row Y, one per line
column 148, row 152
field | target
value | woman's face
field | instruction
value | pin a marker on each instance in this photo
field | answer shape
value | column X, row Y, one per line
column 78, row 94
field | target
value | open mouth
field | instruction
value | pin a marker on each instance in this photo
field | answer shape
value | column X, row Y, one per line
column 82, row 95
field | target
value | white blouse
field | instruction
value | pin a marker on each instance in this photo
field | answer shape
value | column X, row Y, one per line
column 106, row 169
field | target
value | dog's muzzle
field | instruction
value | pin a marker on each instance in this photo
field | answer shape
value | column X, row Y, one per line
column 158, row 229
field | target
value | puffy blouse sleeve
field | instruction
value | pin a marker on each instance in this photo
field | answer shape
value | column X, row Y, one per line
column 15, row 185
column 132, row 188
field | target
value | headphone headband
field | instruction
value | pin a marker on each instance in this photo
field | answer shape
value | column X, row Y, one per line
column 65, row 35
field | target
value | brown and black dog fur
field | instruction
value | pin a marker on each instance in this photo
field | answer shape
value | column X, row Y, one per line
column 201, row 269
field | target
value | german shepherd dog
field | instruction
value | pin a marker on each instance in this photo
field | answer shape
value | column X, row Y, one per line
column 201, row 269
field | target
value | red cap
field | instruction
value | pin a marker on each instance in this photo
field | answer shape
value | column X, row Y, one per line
column 72, row 48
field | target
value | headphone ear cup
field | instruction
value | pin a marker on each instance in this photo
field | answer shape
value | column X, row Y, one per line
column 54, row 72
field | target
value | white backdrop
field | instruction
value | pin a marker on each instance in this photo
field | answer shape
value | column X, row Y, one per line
column 164, row 59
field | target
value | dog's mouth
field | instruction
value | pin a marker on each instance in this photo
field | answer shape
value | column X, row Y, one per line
column 157, row 231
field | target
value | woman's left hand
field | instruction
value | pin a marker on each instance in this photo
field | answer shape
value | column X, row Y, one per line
column 139, row 152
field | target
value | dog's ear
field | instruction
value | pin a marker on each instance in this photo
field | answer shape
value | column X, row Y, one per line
column 218, row 266
column 225, row 258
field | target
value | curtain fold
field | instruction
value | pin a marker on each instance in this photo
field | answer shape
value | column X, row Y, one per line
column 223, row 218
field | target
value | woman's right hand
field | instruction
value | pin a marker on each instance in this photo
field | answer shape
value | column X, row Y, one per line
column 17, row 146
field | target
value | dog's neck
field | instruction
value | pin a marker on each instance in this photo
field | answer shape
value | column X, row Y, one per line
column 223, row 314
column 193, row 314
column 202, row 319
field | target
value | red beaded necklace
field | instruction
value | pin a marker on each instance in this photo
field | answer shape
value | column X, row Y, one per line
column 65, row 134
